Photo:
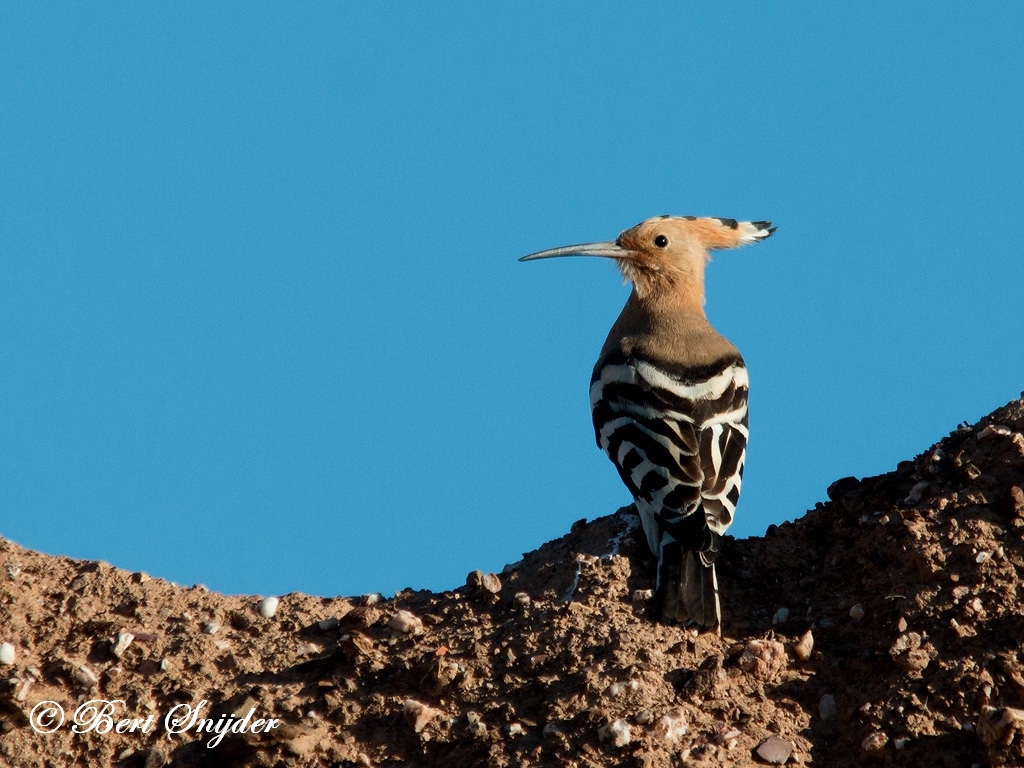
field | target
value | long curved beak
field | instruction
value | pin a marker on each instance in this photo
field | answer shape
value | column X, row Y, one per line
column 607, row 248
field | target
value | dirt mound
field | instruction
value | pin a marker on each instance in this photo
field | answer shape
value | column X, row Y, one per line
column 885, row 626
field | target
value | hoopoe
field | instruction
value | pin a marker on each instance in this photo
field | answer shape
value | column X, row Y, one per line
column 669, row 401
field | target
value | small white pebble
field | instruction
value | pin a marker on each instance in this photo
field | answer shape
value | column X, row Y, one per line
column 550, row 730
column 6, row 653
column 122, row 642
column 781, row 616
column 857, row 612
column 222, row 644
column 616, row 689
column 267, row 607
column 982, row 557
column 371, row 598
column 164, row 665
column 210, row 628
column 994, row 429
column 672, row 726
column 617, row 732
column 642, row 595
column 645, row 717
column 522, row 599
column 22, row 692
column 516, row 729
column 901, row 742
column 86, row 677
column 407, row 623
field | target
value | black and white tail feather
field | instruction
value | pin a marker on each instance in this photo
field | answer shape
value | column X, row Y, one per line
column 678, row 439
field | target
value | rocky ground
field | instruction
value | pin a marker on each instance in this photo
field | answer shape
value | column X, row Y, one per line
column 883, row 627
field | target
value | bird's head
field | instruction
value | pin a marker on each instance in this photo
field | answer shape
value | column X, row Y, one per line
column 664, row 257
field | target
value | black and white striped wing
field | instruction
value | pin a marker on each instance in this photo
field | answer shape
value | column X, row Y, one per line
column 678, row 440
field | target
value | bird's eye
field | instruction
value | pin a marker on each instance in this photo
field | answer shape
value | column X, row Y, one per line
column 661, row 241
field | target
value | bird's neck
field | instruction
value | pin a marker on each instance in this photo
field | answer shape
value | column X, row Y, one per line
column 671, row 331
column 664, row 294
column 665, row 289
column 658, row 311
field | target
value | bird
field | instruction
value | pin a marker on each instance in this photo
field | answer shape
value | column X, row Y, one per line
column 668, row 397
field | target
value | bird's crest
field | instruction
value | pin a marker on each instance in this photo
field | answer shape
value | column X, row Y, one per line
column 712, row 232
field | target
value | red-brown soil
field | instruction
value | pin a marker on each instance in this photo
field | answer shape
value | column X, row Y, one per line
column 908, row 583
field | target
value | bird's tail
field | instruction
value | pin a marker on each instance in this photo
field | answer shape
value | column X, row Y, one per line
column 687, row 588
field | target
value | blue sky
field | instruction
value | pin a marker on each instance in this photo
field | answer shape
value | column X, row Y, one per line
column 261, row 320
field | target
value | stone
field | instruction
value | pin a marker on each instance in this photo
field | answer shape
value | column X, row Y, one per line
column 775, row 750
column 804, row 646
column 267, row 607
column 827, row 707
column 672, row 726
column 617, row 732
